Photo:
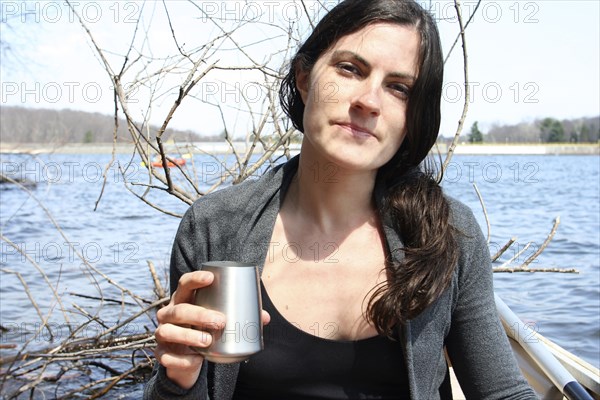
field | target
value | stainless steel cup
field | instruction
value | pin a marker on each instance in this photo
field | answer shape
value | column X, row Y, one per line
column 235, row 292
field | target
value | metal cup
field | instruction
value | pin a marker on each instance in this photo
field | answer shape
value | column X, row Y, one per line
column 235, row 291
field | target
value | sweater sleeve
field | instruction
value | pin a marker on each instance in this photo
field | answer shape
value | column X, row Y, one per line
column 189, row 249
column 233, row 223
column 477, row 344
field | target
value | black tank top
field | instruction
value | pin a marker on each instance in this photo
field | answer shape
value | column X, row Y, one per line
column 298, row 365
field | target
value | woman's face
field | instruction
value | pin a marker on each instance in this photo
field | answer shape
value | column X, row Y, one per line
column 356, row 95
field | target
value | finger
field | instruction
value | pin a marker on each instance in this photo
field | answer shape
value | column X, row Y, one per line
column 173, row 334
column 182, row 362
column 189, row 314
column 266, row 317
column 188, row 283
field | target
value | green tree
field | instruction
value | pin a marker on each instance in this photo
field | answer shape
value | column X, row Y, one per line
column 585, row 134
column 475, row 136
column 573, row 137
column 552, row 131
column 88, row 137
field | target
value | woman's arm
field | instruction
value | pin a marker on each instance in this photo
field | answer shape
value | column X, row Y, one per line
column 477, row 344
column 180, row 373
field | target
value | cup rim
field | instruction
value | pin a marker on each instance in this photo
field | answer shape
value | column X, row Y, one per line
column 226, row 264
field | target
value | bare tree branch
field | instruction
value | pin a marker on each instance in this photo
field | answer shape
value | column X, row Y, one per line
column 487, row 219
column 503, row 249
column 544, row 245
column 461, row 121
column 459, row 34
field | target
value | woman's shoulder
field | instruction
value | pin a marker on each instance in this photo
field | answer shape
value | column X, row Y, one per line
column 250, row 195
column 468, row 233
column 474, row 253
column 223, row 212
column 462, row 217
column 234, row 197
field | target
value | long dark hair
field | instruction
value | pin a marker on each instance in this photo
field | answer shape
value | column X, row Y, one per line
column 413, row 198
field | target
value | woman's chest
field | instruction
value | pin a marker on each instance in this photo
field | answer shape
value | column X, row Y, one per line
column 323, row 285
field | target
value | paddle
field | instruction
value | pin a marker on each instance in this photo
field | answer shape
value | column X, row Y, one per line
column 542, row 356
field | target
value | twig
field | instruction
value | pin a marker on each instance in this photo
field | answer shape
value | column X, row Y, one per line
column 162, row 210
column 461, row 121
column 503, row 249
column 134, row 316
column 544, row 245
column 80, row 350
column 36, row 265
column 158, row 288
column 112, row 382
column 89, row 316
column 310, row 21
column 173, row 31
column 485, row 214
column 113, row 152
column 85, row 296
column 525, row 269
column 31, row 299
column 268, row 153
column 516, row 255
column 458, row 36
column 105, row 367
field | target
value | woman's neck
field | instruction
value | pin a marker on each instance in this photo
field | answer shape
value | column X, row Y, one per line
column 330, row 197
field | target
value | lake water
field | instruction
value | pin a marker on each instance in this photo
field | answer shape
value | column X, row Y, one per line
column 523, row 196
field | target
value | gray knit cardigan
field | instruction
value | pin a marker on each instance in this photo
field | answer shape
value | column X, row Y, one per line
column 236, row 223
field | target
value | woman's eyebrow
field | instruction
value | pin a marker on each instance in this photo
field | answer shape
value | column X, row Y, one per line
column 357, row 57
column 350, row 54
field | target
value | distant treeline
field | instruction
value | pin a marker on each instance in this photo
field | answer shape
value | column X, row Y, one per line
column 31, row 125
column 546, row 130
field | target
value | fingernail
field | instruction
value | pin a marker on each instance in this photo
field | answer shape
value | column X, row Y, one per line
column 205, row 339
column 207, row 276
column 218, row 319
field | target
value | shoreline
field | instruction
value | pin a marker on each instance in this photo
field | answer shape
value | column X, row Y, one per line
column 526, row 149
column 241, row 147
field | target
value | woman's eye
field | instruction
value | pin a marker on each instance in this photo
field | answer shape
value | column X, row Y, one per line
column 348, row 68
column 400, row 90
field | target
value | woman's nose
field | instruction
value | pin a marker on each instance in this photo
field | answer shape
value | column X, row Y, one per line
column 367, row 98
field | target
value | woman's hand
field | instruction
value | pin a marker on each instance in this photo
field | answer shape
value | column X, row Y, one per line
column 174, row 334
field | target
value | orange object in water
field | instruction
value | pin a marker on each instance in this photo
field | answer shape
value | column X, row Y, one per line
column 170, row 164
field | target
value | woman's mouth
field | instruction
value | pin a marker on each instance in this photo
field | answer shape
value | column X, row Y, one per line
column 357, row 130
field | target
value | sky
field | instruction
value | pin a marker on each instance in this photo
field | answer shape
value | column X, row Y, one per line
column 527, row 59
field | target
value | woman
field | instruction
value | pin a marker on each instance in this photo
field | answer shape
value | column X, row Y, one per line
column 369, row 272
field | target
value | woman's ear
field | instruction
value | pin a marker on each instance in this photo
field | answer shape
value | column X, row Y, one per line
column 302, row 82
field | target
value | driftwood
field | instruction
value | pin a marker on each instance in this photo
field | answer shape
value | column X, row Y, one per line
column 506, row 266
column 111, row 356
column 524, row 267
